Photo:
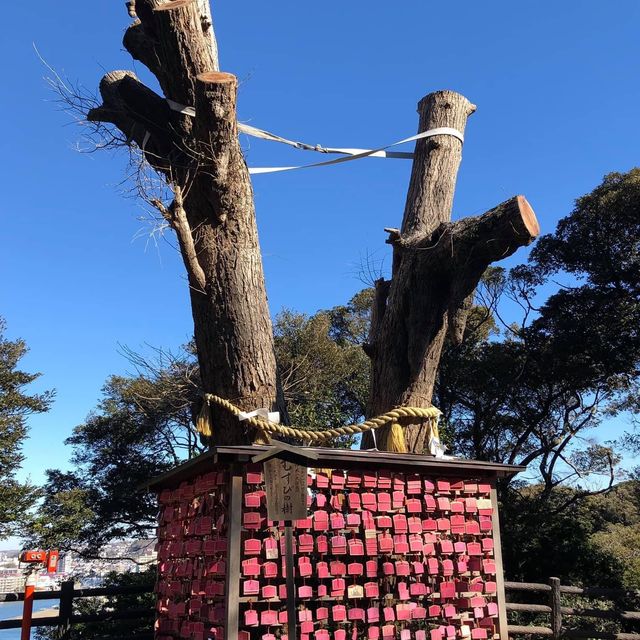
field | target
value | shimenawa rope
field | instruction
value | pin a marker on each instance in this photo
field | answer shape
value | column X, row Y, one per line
column 394, row 442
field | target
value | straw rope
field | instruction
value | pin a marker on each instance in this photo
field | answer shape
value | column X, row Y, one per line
column 390, row 417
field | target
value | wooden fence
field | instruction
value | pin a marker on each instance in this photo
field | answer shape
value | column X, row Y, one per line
column 66, row 618
column 554, row 609
column 557, row 612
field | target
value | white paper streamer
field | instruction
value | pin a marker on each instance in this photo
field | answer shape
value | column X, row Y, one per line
column 436, row 448
column 147, row 135
column 269, row 416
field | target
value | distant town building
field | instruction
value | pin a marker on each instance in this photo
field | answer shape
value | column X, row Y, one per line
column 132, row 556
column 11, row 581
column 65, row 564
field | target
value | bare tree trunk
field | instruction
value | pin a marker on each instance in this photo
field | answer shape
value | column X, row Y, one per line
column 436, row 263
column 436, row 267
column 213, row 210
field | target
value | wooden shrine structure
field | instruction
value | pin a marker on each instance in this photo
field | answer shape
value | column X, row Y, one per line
column 394, row 547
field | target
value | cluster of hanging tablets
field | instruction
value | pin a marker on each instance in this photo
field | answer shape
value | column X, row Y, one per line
column 382, row 555
column 192, row 558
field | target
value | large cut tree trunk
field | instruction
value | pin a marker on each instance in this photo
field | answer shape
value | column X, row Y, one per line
column 436, row 267
column 212, row 211
column 189, row 135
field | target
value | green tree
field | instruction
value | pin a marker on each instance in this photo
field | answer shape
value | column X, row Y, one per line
column 592, row 541
column 142, row 427
column 616, row 523
column 620, row 543
column 530, row 394
column 506, row 397
column 324, row 371
column 534, row 392
column 16, row 498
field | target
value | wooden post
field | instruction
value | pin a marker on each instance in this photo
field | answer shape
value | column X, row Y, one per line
column 27, row 607
column 286, row 489
column 446, row 258
column 234, row 536
column 291, row 587
column 63, row 631
column 556, row 608
column 503, row 625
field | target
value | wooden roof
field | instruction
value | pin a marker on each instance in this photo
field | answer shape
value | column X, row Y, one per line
column 338, row 459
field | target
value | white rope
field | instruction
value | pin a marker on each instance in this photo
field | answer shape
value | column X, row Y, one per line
column 272, row 137
column 350, row 153
column 380, row 152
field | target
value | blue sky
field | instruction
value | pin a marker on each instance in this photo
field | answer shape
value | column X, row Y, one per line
column 556, row 85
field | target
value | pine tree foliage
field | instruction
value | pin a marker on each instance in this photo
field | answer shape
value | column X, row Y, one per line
column 16, row 404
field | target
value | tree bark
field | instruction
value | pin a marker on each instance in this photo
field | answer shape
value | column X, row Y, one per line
column 436, row 267
column 436, row 263
column 142, row 10
column 213, row 210
column 183, row 49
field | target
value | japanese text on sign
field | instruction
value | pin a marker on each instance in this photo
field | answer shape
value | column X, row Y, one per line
column 286, row 488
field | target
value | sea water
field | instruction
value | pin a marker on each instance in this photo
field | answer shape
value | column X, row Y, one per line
column 14, row 610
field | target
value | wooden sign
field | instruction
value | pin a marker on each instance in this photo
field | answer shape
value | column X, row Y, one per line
column 286, row 489
column 286, row 492
column 285, row 481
